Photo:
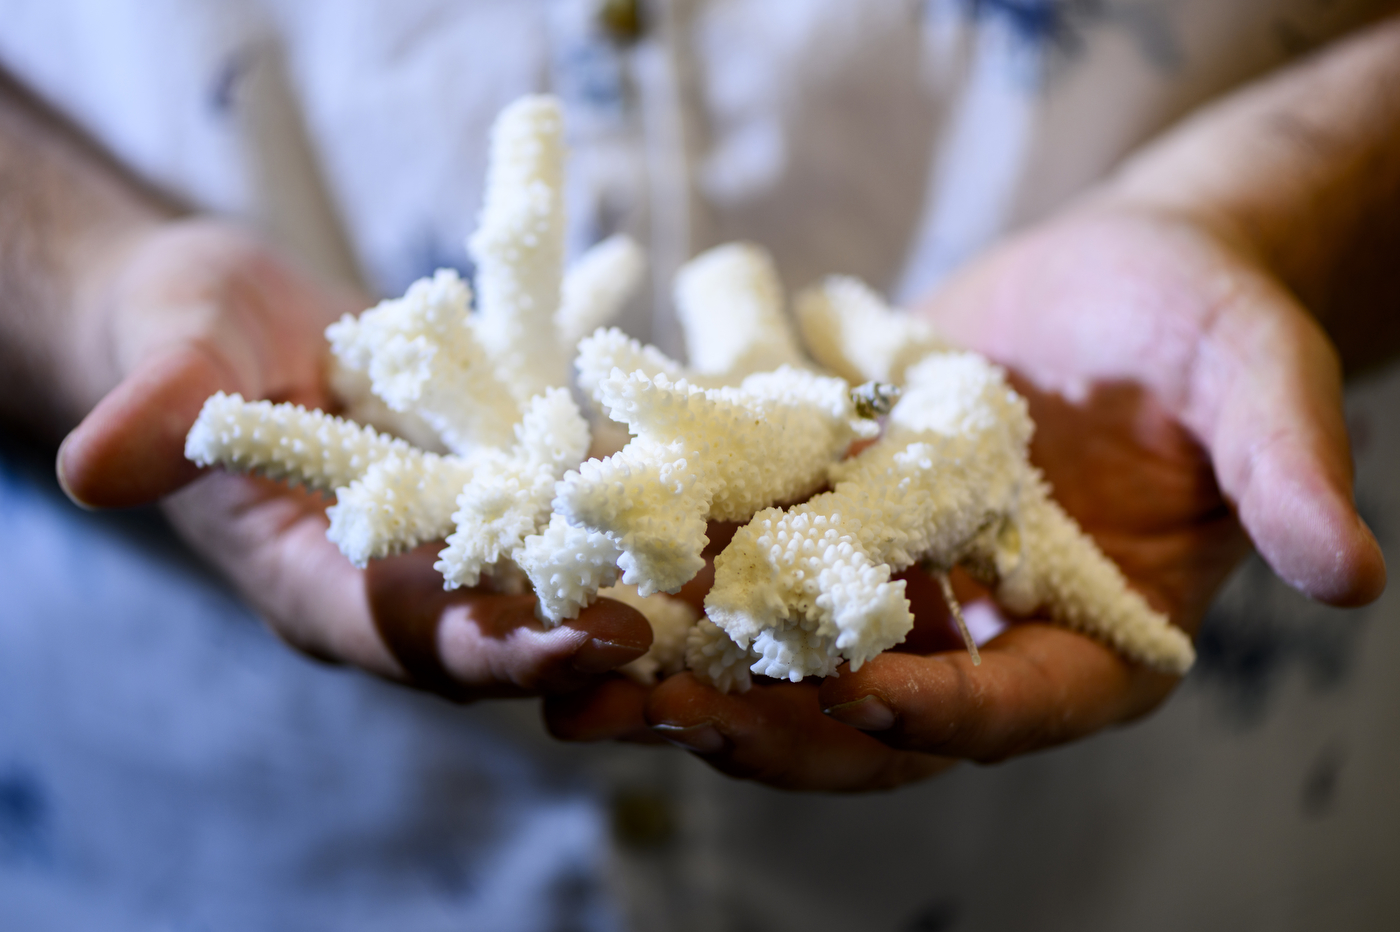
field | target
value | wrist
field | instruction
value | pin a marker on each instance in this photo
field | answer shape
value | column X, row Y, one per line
column 1300, row 174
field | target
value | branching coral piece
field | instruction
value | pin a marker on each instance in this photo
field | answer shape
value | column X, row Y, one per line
column 519, row 246
column 423, row 356
column 403, row 500
column 804, row 589
column 288, row 442
column 730, row 304
column 1063, row 573
column 489, row 385
column 361, row 405
column 850, row 329
column 567, row 565
column 390, row 496
column 507, row 499
column 611, row 349
column 597, row 286
column 745, row 428
column 698, row 454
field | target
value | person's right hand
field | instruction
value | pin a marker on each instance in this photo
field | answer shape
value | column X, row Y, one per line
column 1182, row 399
column 201, row 306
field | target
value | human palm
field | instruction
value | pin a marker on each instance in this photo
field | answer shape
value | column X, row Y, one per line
column 1181, row 399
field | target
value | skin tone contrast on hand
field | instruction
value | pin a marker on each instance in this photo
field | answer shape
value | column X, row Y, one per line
column 1186, row 402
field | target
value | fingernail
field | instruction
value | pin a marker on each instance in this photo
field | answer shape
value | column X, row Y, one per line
column 599, row 656
column 63, row 476
column 866, row 713
column 702, row 739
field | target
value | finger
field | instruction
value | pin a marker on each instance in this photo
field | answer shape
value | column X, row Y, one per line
column 1037, row 686
column 776, row 734
column 1270, row 386
column 393, row 618
column 130, row 449
column 475, row 643
column 613, row 710
column 200, row 307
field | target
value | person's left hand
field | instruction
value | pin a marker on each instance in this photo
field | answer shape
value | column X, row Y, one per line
column 1178, row 392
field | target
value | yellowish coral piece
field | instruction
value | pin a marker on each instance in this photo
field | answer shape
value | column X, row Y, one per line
column 597, row 286
column 730, row 304
column 850, row 329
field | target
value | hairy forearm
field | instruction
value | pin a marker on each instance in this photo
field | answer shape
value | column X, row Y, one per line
column 67, row 214
column 1303, row 171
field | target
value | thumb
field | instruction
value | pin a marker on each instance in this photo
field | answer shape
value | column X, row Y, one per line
column 1271, row 389
column 130, row 449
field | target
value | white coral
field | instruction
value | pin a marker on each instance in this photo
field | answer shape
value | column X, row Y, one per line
column 401, row 501
column 730, row 305
column 850, row 329
column 609, row 349
column 285, row 441
column 744, row 428
column 519, row 246
column 702, row 454
column 597, row 286
column 507, row 499
column 423, row 356
column 804, row 589
column 567, row 565
column 716, row 659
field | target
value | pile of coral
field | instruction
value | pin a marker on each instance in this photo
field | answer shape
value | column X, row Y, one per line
column 941, row 479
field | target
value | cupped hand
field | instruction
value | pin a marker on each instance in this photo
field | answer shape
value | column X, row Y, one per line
column 1185, row 405
column 201, row 306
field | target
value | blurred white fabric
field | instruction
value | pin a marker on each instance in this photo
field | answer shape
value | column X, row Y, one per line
column 165, row 764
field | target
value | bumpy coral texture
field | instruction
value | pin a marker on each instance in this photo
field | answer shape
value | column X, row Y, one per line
column 423, row 355
column 742, row 429
column 716, row 659
column 730, row 304
column 400, row 502
column 439, row 368
column 850, row 329
column 519, row 246
column 802, row 590
column 697, row 455
column 284, row 441
column 507, row 497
